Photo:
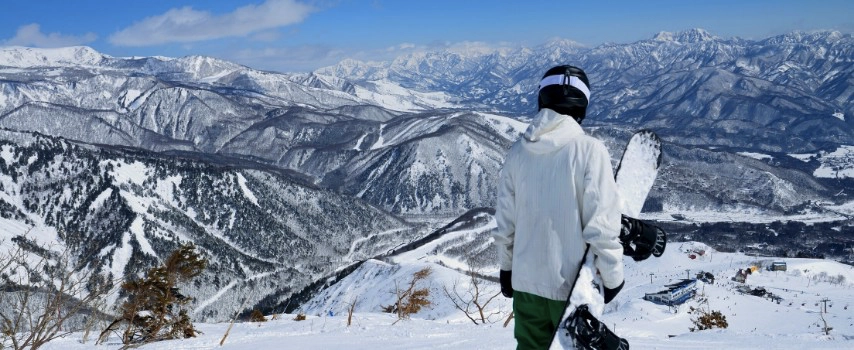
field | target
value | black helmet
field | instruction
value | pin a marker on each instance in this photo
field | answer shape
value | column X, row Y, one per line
column 566, row 90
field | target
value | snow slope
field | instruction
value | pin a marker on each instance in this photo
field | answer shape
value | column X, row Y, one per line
column 754, row 322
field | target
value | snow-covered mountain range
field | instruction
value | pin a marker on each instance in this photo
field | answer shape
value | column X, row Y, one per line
column 288, row 179
column 785, row 93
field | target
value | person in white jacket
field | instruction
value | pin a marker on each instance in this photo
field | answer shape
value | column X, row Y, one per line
column 556, row 196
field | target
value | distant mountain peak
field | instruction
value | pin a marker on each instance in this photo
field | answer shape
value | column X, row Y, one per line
column 206, row 66
column 688, row 36
column 26, row 57
column 562, row 43
column 822, row 35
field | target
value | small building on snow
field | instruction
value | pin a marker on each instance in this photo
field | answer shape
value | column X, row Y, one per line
column 777, row 266
column 675, row 294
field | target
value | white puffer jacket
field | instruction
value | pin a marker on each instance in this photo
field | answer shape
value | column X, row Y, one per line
column 557, row 192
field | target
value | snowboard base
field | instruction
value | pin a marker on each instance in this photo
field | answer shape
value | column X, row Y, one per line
column 580, row 326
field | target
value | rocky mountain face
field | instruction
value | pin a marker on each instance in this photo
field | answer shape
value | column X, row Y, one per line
column 283, row 180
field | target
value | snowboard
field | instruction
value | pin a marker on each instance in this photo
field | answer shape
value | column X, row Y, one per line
column 635, row 174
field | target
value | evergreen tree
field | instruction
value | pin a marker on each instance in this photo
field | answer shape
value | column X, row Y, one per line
column 155, row 309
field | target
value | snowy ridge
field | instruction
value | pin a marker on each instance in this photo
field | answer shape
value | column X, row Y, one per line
column 26, row 57
column 754, row 322
column 210, row 73
column 372, row 284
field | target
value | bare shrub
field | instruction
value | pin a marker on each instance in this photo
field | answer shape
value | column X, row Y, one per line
column 707, row 319
column 44, row 295
column 257, row 316
column 411, row 299
column 470, row 299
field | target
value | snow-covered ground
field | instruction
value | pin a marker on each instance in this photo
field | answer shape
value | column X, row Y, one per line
column 837, row 164
column 747, row 215
column 754, row 322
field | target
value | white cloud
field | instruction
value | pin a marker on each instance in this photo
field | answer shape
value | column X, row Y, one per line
column 31, row 35
column 183, row 25
column 399, row 47
column 472, row 47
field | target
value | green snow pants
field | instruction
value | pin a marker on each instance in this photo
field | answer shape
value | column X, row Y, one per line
column 536, row 318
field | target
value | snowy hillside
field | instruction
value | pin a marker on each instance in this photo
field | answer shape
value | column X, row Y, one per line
column 836, row 164
column 754, row 322
column 120, row 212
column 801, row 287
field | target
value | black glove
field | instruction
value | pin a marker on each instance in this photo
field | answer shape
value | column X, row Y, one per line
column 641, row 239
column 506, row 285
column 611, row 293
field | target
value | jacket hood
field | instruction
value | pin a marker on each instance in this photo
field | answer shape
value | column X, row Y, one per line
column 549, row 131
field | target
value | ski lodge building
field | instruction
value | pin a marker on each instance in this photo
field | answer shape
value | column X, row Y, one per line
column 675, row 294
column 777, row 266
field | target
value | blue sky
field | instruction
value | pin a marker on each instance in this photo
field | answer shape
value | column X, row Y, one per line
column 302, row 35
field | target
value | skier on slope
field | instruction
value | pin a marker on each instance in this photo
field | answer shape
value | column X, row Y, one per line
column 556, row 194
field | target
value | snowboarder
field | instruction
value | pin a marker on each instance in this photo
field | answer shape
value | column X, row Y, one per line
column 556, row 195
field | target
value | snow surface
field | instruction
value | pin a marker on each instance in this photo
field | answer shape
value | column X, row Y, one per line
column 134, row 173
column 120, row 258
column 509, row 127
column 136, row 227
column 395, row 97
column 7, row 154
column 27, row 57
column 246, row 191
column 837, row 164
column 100, row 199
column 754, row 155
column 754, row 322
column 751, row 215
column 804, row 157
column 358, row 146
column 847, row 208
column 380, row 143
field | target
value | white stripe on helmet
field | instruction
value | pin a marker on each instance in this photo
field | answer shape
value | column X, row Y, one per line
column 561, row 80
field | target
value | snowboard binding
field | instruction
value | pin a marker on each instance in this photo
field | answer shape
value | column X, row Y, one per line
column 641, row 239
column 588, row 333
